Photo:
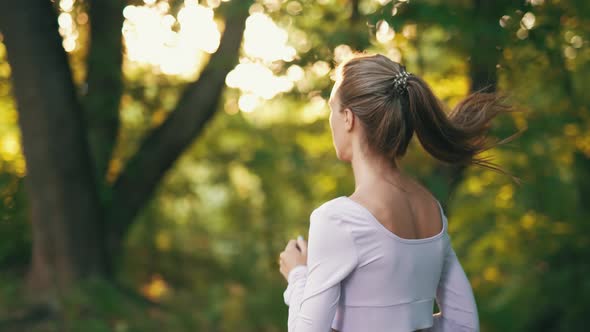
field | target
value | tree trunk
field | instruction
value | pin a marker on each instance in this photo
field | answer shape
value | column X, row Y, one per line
column 484, row 56
column 485, row 47
column 104, row 79
column 76, row 234
column 64, row 206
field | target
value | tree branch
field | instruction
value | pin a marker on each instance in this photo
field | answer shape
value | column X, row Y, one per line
column 164, row 145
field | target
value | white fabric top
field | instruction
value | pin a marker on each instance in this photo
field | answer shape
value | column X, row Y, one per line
column 362, row 277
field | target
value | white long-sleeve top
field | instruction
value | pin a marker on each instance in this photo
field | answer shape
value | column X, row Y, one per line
column 362, row 277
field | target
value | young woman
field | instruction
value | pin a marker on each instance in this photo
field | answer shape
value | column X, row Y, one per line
column 378, row 259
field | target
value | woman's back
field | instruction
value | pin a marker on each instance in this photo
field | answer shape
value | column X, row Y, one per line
column 405, row 207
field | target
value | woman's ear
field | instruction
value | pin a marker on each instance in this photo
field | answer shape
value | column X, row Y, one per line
column 348, row 119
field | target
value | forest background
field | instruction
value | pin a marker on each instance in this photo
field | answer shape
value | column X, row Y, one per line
column 156, row 155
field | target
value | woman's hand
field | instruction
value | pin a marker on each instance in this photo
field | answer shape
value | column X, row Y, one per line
column 292, row 256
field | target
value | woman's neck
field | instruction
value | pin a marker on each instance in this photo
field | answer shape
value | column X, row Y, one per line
column 371, row 170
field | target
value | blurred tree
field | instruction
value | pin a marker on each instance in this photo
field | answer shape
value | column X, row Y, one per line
column 79, row 219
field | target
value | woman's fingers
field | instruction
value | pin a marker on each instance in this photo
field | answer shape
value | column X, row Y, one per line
column 292, row 255
column 291, row 245
column 302, row 244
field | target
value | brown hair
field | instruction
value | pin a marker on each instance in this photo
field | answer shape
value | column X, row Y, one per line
column 390, row 119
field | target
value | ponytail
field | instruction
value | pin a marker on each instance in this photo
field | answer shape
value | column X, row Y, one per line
column 390, row 118
column 459, row 137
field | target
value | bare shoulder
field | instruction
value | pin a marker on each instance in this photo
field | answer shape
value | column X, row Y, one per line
column 421, row 190
column 407, row 209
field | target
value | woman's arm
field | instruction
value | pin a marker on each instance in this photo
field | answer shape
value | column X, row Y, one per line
column 454, row 296
column 314, row 291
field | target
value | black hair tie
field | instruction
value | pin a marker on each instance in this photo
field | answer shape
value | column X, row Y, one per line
column 400, row 81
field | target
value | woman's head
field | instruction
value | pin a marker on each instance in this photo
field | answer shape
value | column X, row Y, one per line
column 365, row 106
column 369, row 113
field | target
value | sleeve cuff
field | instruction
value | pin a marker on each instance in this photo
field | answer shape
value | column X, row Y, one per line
column 298, row 272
